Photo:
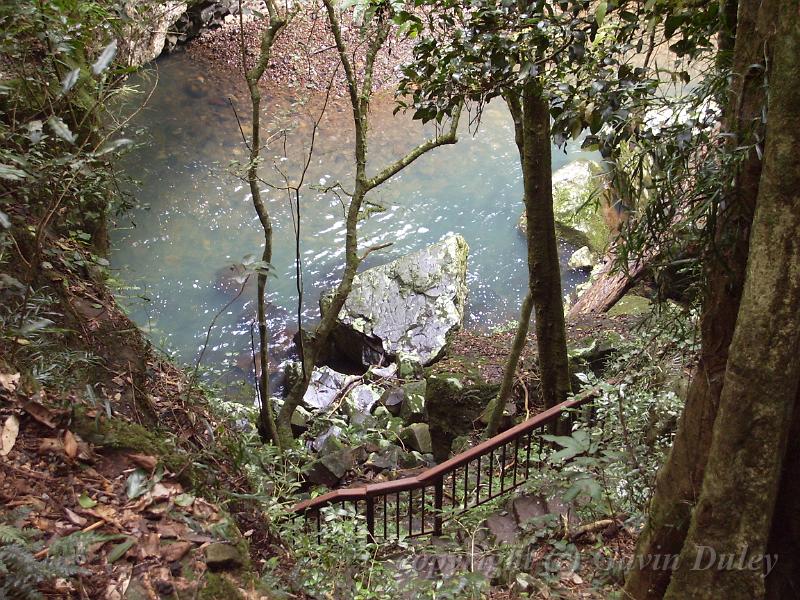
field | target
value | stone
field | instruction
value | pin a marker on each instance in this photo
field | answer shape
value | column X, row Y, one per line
column 392, row 458
column 525, row 508
column 145, row 28
column 582, row 259
column 223, row 557
column 417, row 436
column 328, row 469
column 579, row 219
column 362, row 398
column 408, row 366
column 502, row 527
column 332, row 433
column 412, row 410
column 412, row 305
column 453, row 409
column 325, row 387
column 630, row 304
column 393, row 399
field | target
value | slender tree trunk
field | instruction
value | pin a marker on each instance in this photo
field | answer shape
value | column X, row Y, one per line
column 510, row 369
column 544, row 273
column 762, row 378
column 360, row 98
column 679, row 480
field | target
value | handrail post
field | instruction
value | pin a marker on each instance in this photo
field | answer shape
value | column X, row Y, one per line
column 438, row 501
column 371, row 518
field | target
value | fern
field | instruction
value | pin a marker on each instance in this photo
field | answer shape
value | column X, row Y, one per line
column 21, row 572
column 11, row 535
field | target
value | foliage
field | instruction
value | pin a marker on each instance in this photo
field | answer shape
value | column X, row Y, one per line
column 58, row 135
column 26, row 561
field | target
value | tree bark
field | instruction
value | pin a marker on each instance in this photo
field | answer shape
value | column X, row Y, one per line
column 544, row 273
column 679, row 481
column 762, row 378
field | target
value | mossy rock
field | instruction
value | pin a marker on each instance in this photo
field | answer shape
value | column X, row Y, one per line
column 218, row 586
column 631, row 304
column 452, row 408
column 579, row 217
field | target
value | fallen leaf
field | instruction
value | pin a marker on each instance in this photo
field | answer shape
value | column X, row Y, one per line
column 148, row 546
column 183, row 500
column 51, row 446
column 144, row 461
column 85, row 501
column 9, row 381
column 75, row 519
column 160, row 492
column 171, row 530
column 137, row 484
column 39, row 413
column 9, row 435
column 176, row 551
column 70, row 444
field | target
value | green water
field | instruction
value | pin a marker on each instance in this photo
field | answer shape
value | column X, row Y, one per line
column 194, row 217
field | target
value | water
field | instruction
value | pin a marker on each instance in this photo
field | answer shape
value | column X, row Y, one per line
column 195, row 218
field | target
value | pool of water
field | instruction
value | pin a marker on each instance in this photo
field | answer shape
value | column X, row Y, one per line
column 194, row 217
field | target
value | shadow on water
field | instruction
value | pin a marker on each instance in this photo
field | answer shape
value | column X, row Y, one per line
column 195, row 218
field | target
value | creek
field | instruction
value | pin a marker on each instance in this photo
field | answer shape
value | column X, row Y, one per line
column 193, row 217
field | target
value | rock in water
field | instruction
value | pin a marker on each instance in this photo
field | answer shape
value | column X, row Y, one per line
column 582, row 259
column 411, row 305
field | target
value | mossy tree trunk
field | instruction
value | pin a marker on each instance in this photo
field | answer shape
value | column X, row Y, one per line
column 679, row 481
column 530, row 112
column 742, row 478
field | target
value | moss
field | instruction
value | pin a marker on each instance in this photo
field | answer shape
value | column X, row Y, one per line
column 217, row 586
column 122, row 435
column 452, row 409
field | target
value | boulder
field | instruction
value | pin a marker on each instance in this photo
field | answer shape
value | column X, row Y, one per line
column 331, row 466
column 325, row 387
column 582, row 259
column 222, row 557
column 146, row 24
column 362, row 398
column 411, row 305
column 579, row 219
column 453, row 409
column 412, row 410
column 417, row 436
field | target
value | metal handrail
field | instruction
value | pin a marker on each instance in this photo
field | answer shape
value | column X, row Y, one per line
column 376, row 496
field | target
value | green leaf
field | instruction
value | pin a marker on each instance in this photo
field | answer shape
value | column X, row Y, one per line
column 5, row 222
column 11, row 173
column 105, row 58
column 137, row 484
column 120, row 549
column 69, row 81
column 600, row 13
column 61, row 129
column 85, row 501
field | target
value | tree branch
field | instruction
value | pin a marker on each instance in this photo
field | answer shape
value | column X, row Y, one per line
column 451, row 137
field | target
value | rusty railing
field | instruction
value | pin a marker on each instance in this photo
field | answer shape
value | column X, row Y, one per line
column 477, row 475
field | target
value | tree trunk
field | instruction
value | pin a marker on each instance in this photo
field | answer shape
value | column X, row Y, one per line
column 678, row 483
column 544, row 273
column 762, row 378
column 609, row 287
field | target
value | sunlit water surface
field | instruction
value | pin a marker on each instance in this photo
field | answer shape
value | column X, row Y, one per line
column 194, row 217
